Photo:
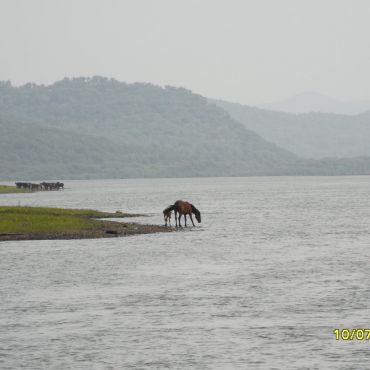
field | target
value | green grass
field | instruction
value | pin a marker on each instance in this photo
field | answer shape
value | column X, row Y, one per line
column 6, row 189
column 35, row 220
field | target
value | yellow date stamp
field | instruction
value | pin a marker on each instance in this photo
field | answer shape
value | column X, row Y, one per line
column 352, row 334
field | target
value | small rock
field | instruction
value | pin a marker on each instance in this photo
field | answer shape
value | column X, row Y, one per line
column 113, row 232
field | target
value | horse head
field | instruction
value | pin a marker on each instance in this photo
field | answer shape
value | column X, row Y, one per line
column 197, row 213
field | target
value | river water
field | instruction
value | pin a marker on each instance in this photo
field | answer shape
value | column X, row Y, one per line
column 276, row 265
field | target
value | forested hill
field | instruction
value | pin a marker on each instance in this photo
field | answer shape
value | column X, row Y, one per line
column 97, row 127
column 102, row 128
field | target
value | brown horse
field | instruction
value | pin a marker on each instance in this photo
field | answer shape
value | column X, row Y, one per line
column 185, row 208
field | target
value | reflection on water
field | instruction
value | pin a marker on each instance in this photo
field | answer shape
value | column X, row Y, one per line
column 275, row 266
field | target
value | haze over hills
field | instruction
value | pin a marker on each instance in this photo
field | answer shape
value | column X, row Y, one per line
column 314, row 102
column 101, row 128
column 96, row 127
column 310, row 135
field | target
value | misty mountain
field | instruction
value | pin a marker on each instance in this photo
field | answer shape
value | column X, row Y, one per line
column 102, row 128
column 310, row 135
column 96, row 127
column 313, row 102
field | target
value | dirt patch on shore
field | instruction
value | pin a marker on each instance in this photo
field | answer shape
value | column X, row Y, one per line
column 100, row 229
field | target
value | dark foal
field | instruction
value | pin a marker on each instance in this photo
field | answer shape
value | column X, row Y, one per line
column 167, row 215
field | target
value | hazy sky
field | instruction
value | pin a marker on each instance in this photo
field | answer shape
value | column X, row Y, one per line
column 246, row 51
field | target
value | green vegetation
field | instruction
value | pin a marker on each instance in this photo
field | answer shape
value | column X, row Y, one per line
column 17, row 223
column 100, row 128
column 7, row 189
column 40, row 220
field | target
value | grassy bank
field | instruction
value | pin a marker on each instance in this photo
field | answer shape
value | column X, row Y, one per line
column 6, row 189
column 25, row 223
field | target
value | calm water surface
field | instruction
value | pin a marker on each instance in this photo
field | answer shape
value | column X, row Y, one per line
column 275, row 266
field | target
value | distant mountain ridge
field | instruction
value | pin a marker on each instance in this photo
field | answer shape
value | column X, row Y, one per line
column 309, row 135
column 309, row 102
column 100, row 128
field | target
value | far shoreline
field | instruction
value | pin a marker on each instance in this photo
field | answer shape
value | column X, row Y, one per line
column 9, row 189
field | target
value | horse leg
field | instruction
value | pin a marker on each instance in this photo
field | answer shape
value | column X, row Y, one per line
column 176, row 218
column 191, row 218
column 185, row 220
column 180, row 219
